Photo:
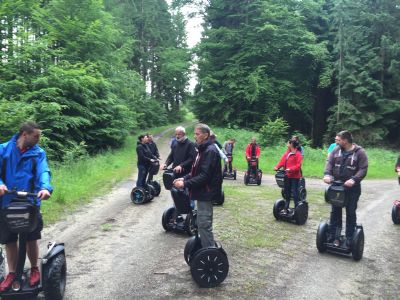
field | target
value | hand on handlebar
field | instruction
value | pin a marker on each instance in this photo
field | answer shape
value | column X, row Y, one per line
column 328, row 179
column 3, row 189
column 349, row 183
column 178, row 169
column 44, row 194
column 179, row 183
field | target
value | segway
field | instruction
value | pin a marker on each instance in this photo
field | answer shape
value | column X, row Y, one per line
column 209, row 266
column 253, row 176
column 182, row 216
column 21, row 217
column 396, row 212
column 299, row 214
column 153, row 170
column 339, row 244
column 228, row 172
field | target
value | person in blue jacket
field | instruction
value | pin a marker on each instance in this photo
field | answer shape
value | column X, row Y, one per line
column 23, row 167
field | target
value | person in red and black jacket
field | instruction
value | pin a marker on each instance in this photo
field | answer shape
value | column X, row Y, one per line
column 291, row 162
column 204, row 182
column 252, row 151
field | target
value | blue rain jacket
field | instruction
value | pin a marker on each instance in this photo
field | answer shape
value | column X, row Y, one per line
column 19, row 169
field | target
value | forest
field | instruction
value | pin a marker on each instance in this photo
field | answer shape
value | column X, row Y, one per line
column 93, row 71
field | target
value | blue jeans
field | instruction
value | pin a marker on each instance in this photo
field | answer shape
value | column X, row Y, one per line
column 352, row 195
column 291, row 189
column 142, row 174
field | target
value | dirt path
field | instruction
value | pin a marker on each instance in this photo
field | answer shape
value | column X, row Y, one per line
column 118, row 250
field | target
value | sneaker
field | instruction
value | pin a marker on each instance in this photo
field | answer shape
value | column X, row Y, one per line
column 179, row 219
column 284, row 211
column 336, row 243
column 34, row 279
column 6, row 283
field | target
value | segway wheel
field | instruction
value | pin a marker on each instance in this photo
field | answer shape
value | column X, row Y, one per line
column 55, row 278
column 326, row 195
column 192, row 246
column 209, row 267
column 138, row 195
column 396, row 214
column 322, row 235
column 278, row 206
column 157, row 188
column 246, row 179
column 220, row 200
column 259, row 177
column 150, row 192
column 357, row 246
column 167, row 217
column 190, row 223
column 301, row 213
column 234, row 175
column 302, row 194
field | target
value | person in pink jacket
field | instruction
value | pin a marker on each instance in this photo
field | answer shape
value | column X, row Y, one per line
column 291, row 162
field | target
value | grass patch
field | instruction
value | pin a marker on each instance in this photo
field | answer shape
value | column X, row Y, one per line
column 381, row 161
column 246, row 219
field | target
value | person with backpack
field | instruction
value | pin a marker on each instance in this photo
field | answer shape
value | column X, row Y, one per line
column 348, row 163
column 23, row 167
column 291, row 163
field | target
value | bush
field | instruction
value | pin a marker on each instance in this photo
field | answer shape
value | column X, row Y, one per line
column 274, row 132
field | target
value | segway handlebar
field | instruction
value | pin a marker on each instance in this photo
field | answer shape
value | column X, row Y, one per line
column 21, row 194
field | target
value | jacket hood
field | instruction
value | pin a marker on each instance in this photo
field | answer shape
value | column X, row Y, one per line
column 203, row 147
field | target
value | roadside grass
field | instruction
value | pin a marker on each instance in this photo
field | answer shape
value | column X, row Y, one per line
column 381, row 161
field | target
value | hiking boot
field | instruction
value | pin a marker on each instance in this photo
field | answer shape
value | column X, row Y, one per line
column 34, row 279
column 6, row 283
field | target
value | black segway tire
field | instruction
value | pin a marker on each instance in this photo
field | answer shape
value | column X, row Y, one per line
column 191, row 223
column 396, row 215
column 157, row 188
column 246, row 179
column 301, row 213
column 234, row 175
column 192, row 246
column 150, row 192
column 220, row 200
column 55, row 278
column 326, row 195
column 259, row 177
column 278, row 206
column 302, row 194
column 138, row 195
column 322, row 235
column 209, row 267
column 167, row 216
column 357, row 245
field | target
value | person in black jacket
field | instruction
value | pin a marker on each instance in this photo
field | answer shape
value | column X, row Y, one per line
column 144, row 158
column 152, row 146
column 397, row 168
column 204, row 182
column 183, row 152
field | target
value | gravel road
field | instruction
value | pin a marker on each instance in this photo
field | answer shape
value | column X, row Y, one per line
column 118, row 250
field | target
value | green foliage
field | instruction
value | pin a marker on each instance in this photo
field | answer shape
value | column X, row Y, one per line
column 274, row 132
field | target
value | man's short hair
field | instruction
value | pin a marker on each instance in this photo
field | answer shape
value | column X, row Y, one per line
column 28, row 127
column 203, row 128
column 345, row 135
column 181, row 129
column 140, row 137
